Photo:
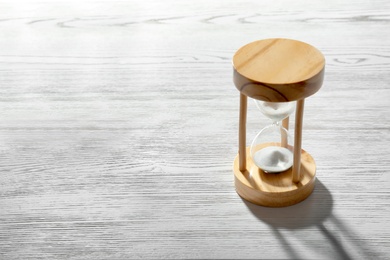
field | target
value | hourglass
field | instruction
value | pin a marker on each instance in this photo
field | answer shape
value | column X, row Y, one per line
column 271, row 150
column 278, row 74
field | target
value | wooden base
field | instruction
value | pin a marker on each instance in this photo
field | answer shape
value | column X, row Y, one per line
column 274, row 190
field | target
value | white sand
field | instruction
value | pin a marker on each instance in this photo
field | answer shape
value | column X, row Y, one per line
column 276, row 110
column 273, row 159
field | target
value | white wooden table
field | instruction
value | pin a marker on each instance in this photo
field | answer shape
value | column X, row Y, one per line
column 118, row 129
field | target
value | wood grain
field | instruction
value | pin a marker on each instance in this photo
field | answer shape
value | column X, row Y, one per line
column 119, row 121
column 242, row 154
column 298, row 140
column 284, row 137
column 278, row 61
column 278, row 69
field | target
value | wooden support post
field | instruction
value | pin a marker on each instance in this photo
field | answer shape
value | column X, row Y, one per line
column 242, row 133
column 284, row 140
column 298, row 140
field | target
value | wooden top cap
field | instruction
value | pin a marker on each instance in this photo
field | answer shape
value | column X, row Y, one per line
column 278, row 70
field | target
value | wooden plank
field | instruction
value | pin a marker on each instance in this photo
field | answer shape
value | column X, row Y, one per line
column 118, row 130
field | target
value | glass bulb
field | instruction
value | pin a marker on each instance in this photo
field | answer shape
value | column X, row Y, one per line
column 271, row 150
column 276, row 111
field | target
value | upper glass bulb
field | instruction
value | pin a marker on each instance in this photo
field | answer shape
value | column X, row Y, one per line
column 276, row 111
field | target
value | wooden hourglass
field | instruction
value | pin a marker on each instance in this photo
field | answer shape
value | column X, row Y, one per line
column 271, row 150
column 277, row 73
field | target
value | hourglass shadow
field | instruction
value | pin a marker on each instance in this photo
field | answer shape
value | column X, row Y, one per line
column 311, row 212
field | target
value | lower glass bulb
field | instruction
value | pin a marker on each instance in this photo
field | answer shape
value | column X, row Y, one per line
column 271, row 150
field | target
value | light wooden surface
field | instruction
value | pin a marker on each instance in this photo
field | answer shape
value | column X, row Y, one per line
column 278, row 69
column 242, row 154
column 285, row 125
column 298, row 139
column 278, row 61
column 119, row 121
